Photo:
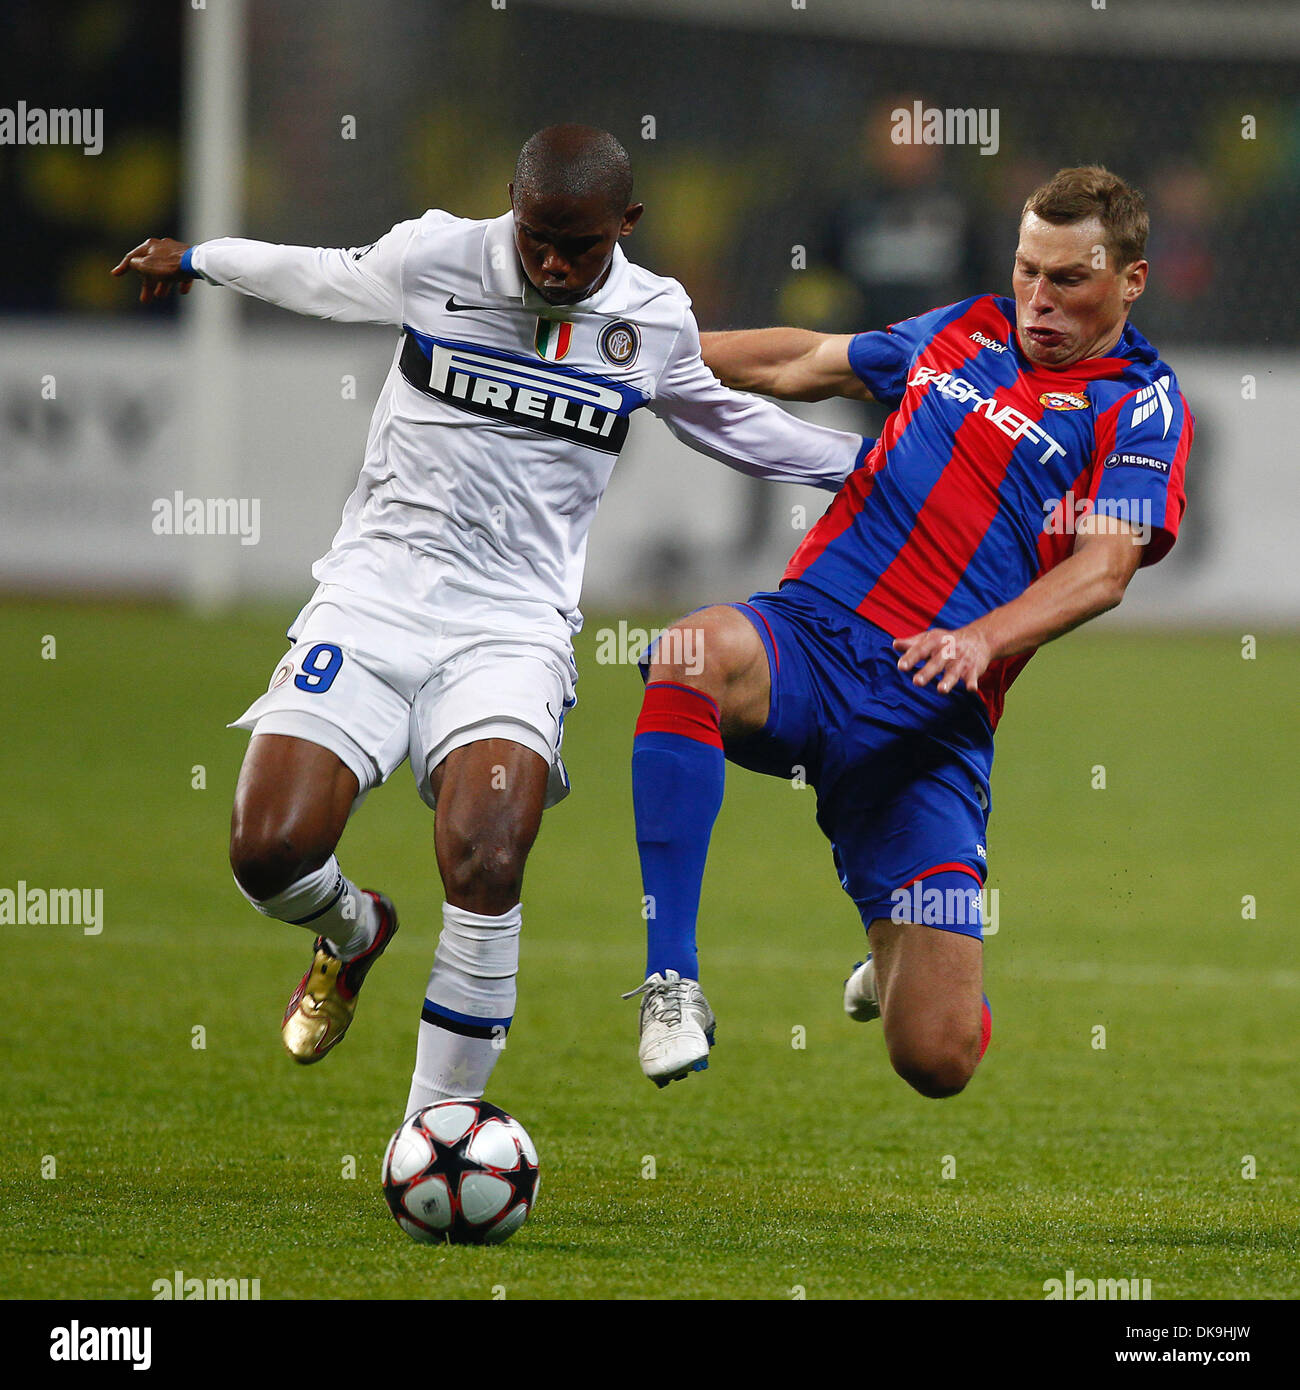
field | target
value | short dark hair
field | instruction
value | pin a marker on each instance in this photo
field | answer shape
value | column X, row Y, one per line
column 575, row 161
column 1071, row 195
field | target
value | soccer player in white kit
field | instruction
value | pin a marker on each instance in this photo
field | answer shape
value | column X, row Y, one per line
column 440, row 631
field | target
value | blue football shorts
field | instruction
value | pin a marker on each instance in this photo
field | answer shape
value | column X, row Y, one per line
column 901, row 772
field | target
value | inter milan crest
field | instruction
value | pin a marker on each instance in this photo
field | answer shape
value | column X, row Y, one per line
column 619, row 343
column 553, row 338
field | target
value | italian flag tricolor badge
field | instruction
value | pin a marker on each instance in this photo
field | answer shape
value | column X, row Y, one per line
column 553, row 338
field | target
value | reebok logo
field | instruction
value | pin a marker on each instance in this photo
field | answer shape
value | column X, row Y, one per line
column 991, row 343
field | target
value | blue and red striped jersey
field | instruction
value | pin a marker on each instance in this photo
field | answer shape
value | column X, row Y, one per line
column 984, row 468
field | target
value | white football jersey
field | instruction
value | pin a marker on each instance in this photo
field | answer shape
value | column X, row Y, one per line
column 502, row 416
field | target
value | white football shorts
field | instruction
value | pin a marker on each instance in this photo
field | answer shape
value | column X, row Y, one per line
column 378, row 684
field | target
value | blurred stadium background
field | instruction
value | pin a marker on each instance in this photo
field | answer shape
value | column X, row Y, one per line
column 1125, row 909
column 324, row 123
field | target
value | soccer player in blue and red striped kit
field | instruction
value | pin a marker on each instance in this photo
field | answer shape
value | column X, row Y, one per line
column 1034, row 460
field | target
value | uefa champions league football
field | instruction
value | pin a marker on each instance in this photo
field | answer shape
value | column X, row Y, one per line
column 460, row 1172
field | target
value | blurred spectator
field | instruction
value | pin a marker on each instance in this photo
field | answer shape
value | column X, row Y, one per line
column 1180, row 198
column 904, row 237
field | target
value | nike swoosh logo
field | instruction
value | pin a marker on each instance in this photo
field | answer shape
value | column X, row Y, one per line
column 454, row 308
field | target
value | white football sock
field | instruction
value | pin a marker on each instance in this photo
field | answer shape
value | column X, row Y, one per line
column 468, row 1005
column 330, row 905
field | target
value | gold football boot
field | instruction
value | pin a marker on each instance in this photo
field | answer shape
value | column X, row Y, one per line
column 325, row 1001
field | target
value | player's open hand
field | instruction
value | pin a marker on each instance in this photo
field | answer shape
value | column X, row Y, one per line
column 158, row 262
column 959, row 657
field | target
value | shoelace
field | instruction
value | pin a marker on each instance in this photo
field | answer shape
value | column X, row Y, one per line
column 663, row 998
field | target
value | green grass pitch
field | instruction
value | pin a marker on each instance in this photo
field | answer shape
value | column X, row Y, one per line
column 783, row 1169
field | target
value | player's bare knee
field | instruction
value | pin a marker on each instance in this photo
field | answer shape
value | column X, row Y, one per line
column 679, row 655
column 487, row 870
column 934, row 1082
column 937, row 1072
column 702, row 650
column 267, row 861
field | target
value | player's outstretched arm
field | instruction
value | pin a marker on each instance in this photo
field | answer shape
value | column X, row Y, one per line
column 353, row 285
column 792, row 364
column 752, row 435
column 1088, row 582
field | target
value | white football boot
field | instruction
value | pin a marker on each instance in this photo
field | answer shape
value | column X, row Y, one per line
column 861, row 1002
column 677, row 1027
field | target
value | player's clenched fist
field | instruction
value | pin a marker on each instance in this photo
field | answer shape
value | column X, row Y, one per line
column 158, row 261
column 959, row 657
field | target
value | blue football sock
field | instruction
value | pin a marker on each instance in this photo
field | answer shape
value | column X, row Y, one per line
column 677, row 779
